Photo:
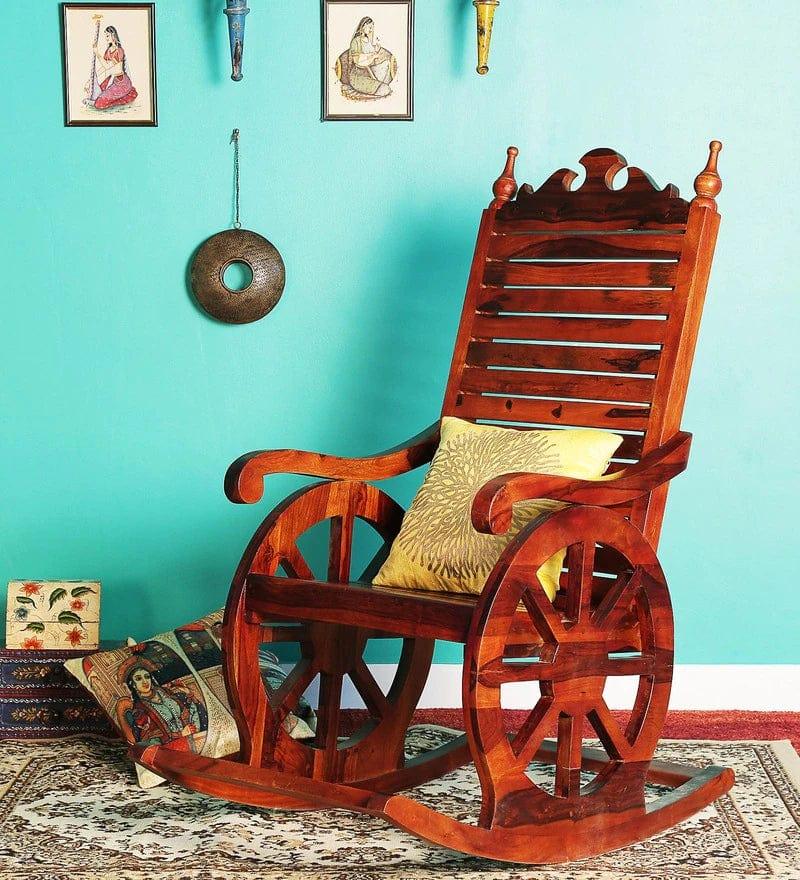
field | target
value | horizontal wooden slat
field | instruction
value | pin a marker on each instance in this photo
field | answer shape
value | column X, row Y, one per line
column 563, row 357
column 577, row 414
column 583, row 386
column 609, row 330
column 640, row 246
column 589, row 300
column 578, row 274
column 622, row 223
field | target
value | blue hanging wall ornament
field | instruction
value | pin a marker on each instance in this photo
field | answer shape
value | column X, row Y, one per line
column 236, row 10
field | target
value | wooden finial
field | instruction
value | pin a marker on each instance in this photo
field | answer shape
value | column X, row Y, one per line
column 708, row 183
column 505, row 187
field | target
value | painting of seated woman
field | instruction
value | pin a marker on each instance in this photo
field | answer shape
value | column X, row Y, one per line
column 368, row 60
column 112, row 82
column 109, row 64
column 366, row 69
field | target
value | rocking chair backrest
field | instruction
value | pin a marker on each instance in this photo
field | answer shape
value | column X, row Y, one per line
column 583, row 307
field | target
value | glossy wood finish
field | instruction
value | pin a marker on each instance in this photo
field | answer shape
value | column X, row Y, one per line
column 332, row 650
column 579, row 284
column 244, row 479
column 491, row 509
column 543, row 843
column 571, row 668
column 582, row 309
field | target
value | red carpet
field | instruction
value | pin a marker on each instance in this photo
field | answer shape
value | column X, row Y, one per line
column 727, row 725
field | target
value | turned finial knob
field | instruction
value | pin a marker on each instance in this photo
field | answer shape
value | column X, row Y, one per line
column 708, row 183
column 505, row 187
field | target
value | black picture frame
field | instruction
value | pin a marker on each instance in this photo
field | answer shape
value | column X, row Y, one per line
column 69, row 121
column 325, row 73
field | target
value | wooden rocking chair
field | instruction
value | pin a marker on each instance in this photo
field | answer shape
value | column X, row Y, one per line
column 586, row 303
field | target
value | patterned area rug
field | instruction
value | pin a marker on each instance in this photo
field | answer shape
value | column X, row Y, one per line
column 71, row 809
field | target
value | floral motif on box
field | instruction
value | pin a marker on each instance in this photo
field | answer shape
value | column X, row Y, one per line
column 53, row 615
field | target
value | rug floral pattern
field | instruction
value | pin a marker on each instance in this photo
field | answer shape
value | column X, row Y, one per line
column 72, row 809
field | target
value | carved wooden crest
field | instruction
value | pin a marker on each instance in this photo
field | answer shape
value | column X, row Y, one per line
column 596, row 199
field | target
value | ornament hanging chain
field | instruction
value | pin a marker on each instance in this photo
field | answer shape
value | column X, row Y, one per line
column 235, row 141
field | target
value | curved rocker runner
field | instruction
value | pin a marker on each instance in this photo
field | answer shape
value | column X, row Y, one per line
column 582, row 309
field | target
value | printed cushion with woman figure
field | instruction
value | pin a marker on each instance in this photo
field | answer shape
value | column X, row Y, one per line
column 169, row 691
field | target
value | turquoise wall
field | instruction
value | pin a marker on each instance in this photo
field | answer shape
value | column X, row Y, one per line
column 122, row 404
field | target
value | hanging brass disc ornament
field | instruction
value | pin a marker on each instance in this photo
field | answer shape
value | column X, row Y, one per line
column 237, row 245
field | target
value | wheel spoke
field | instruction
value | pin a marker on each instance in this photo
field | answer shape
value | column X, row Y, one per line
column 545, row 619
column 341, row 547
column 369, row 689
column 580, row 565
column 285, row 698
column 568, row 755
column 374, row 565
column 609, row 732
column 617, row 601
column 294, row 564
column 641, row 705
column 498, row 672
column 330, row 701
column 528, row 738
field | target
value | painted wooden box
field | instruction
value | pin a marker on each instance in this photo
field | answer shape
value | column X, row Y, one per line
column 53, row 615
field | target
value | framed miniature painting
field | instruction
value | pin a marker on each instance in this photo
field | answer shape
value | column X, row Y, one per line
column 109, row 63
column 367, row 59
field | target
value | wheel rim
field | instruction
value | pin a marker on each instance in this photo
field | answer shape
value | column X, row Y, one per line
column 334, row 653
column 574, row 646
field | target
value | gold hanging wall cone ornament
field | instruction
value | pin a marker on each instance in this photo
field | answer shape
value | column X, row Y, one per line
column 485, row 10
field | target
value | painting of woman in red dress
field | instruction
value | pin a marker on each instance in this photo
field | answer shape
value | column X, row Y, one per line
column 116, row 88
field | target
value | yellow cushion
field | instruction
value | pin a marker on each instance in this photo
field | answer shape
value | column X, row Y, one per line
column 438, row 548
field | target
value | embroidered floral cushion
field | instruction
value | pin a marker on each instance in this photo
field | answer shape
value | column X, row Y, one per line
column 169, row 690
column 438, row 548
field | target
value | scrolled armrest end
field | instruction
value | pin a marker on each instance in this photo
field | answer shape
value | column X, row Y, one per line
column 492, row 508
column 243, row 484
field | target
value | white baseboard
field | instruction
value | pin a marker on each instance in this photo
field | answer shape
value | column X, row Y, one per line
column 764, row 688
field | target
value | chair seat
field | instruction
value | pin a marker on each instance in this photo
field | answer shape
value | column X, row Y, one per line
column 389, row 611
column 394, row 610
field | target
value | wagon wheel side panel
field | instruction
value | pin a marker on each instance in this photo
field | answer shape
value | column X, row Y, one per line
column 331, row 654
column 595, row 631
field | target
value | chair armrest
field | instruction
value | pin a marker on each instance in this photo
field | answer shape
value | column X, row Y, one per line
column 244, row 481
column 492, row 505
